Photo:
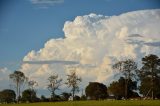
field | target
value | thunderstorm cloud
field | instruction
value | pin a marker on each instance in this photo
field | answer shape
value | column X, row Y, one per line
column 99, row 41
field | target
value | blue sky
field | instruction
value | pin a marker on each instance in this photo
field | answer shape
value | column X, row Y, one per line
column 26, row 26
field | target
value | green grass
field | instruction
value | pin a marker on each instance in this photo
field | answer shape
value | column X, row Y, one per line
column 94, row 103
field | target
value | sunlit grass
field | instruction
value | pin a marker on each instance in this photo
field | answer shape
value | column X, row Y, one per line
column 94, row 103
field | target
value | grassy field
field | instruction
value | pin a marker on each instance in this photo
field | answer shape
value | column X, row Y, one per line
column 93, row 103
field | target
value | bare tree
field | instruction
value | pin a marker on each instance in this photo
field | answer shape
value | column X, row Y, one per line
column 72, row 81
column 128, row 69
column 32, row 84
column 18, row 78
column 54, row 84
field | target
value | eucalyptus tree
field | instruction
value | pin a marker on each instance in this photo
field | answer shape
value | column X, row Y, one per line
column 18, row 78
column 31, row 91
column 54, row 84
column 128, row 69
column 73, row 81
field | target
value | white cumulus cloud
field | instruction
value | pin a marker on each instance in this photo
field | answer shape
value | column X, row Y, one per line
column 4, row 78
column 97, row 40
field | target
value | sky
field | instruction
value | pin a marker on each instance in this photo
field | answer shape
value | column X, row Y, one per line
column 26, row 25
column 52, row 35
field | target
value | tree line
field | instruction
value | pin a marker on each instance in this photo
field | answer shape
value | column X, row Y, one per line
column 134, row 82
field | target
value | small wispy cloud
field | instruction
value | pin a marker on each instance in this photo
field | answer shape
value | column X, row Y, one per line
column 87, row 65
column 135, row 35
column 52, row 62
column 46, row 3
column 154, row 44
column 61, row 62
column 108, row 0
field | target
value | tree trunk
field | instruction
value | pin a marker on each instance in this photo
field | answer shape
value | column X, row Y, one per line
column 152, row 84
column 17, row 85
column 73, row 94
column 126, row 86
column 19, row 93
column 53, row 95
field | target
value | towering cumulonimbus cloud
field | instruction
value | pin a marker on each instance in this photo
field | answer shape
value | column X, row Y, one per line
column 99, row 41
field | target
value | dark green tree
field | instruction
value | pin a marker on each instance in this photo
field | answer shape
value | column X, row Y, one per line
column 77, row 98
column 7, row 96
column 117, row 88
column 83, row 97
column 65, row 96
column 128, row 70
column 18, row 78
column 150, row 76
column 29, row 95
column 145, row 87
column 44, row 99
column 96, row 91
